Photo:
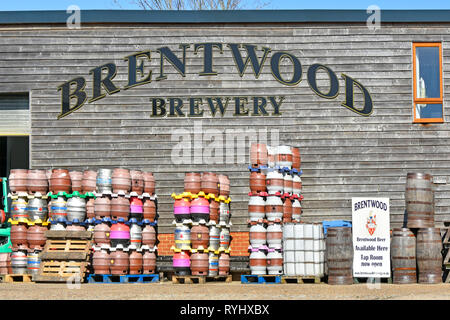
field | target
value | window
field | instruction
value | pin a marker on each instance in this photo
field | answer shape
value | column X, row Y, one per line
column 427, row 69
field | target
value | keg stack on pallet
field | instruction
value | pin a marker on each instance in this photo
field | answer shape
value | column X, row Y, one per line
column 416, row 250
column 275, row 199
column 202, row 229
column 125, row 232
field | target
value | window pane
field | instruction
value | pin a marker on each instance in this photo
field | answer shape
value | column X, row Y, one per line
column 428, row 72
column 427, row 111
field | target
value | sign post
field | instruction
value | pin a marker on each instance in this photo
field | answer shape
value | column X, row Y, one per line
column 371, row 238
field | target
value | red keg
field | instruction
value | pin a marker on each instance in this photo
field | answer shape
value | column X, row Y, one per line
column 77, row 180
column 137, row 181
column 258, row 154
column 210, row 183
column 149, row 210
column 192, row 182
column 37, row 181
column 121, row 180
column 18, row 180
column 257, row 182
column 60, row 181
column 149, row 183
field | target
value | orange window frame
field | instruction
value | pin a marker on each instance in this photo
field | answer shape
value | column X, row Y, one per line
column 439, row 100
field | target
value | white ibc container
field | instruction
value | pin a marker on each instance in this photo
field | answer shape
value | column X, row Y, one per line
column 309, row 269
column 309, row 256
column 308, row 231
column 289, row 245
column 289, row 268
column 316, row 230
column 300, row 269
column 316, row 245
column 288, row 231
column 317, row 257
column 298, row 231
column 322, row 256
column 299, row 244
column 299, row 256
column 309, row 244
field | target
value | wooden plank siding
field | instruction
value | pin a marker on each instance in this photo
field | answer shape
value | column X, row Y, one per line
column 344, row 155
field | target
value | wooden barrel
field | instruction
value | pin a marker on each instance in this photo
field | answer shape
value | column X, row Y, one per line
column 403, row 256
column 419, row 200
column 339, row 255
column 429, row 255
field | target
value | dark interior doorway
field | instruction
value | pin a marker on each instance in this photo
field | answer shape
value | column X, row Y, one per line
column 14, row 154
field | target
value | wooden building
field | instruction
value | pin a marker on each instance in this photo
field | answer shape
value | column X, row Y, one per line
column 135, row 62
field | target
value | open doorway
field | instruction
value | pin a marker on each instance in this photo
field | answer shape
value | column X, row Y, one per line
column 14, row 154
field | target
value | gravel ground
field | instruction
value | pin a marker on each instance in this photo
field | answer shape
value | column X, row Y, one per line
column 222, row 291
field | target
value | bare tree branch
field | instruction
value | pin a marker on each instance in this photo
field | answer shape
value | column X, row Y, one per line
column 196, row 4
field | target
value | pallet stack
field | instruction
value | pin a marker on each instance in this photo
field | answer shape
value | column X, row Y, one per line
column 446, row 245
column 125, row 232
column 275, row 199
column 202, row 229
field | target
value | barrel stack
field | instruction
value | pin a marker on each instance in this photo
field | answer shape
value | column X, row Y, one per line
column 417, row 248
column 274, row 199
column 202, row 225
column 125, row 222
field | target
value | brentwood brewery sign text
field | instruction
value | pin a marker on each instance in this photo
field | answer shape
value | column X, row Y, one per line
column 74, row 95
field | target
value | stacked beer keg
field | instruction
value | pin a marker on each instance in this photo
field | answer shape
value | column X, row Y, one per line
column 275, row 199
column 202, row 225
column 416, row 249
column 125, row 218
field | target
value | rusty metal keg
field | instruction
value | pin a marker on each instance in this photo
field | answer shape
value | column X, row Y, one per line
column 101, row 261
column 33, row 262
column 419, row 200
column 193, row 182
column 287, row 210
column 214, row 210
column 19, row 235
column 37, row 182
column 18, row 180
column 149, row 261
column 60, row 181
column 429, row 255
column 199, row 264
column 89, row 181
column 120, row 208
column 149, row 210
column 90, row 208
column 136, row 261
column 19, row 209
column 102, row 232
column 199, row 237
column 210, row 183
column 149, row 183
column 149, row 236
column 104, row 180
column 102, row 207
column 339, row 251
column 296, row 158
column 37, row 209
column 257, row 182
column 119, row 261
column 36, row 237
column 258, row 154
column 403, row 256
column 121, row 180
column 224, row 185
column 137, row 181
column 224, row 264
column 76, row 178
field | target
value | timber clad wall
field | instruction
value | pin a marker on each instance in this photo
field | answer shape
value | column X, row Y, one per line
column 343, row 154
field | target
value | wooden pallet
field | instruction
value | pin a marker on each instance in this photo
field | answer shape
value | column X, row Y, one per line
column 65, row 256
column 301, row 279
column 199, row 279
column 15, row 278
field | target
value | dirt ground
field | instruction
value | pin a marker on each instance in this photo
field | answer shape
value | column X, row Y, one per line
column 222, row 291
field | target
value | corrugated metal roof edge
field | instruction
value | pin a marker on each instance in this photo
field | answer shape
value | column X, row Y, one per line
column 220, row 16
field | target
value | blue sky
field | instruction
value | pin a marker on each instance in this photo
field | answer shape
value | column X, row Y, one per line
column 6, row 5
